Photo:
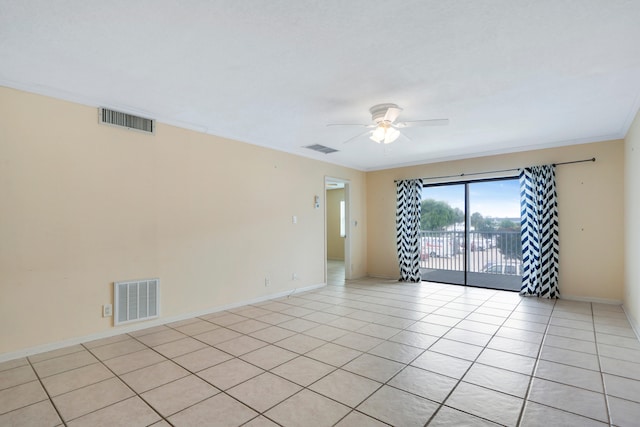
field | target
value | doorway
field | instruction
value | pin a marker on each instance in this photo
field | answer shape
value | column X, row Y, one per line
column 337, row 231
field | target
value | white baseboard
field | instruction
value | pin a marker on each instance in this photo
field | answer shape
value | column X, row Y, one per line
column 590, row 299
column 633, row 322
column 379, row 276
column 149, row 324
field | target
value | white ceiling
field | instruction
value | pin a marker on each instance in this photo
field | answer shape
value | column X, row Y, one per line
column 511, row 75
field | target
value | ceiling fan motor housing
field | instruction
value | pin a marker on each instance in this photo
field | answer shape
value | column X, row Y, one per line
column 379, row 111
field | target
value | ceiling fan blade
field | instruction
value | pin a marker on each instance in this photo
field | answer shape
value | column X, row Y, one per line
column 415, row 123
column 392, row 114
column 357, row 136
column 352, row 124
column 403, row 135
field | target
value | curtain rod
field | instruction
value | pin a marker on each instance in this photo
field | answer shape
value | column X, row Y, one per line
column 593, row 159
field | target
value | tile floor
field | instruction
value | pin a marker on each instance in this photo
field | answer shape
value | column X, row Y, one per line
column 365, row 353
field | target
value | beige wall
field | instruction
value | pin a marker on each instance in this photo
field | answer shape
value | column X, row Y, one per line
column 632, row 223
column 590, row 203
column 84, row 205
column 335, row 243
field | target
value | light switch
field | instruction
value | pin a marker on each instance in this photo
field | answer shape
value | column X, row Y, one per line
column 107, row 310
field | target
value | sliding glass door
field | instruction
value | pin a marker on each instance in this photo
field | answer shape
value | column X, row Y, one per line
column 470, row 234
column 442, row 234
column 495, row 249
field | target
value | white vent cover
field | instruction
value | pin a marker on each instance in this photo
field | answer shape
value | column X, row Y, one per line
column 135, row 300
column 128, row 121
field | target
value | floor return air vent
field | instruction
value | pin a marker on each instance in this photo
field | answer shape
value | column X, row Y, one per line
column 136, row 300
column 127, row 121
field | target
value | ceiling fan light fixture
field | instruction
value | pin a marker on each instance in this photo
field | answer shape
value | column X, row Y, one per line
column 377, row 134
column 384, row 134
column 391, row 135
column 385, row 127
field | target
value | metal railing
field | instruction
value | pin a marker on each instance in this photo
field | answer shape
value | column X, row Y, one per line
column 488, row 252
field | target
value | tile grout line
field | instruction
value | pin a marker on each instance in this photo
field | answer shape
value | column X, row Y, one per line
column 55, row 407
column 221, row 391
column 260, row 413
column 442, row 404
column 604, row 385
column 535, row 367
column 168, row 359
column 387, row 340
column 303, row 355
column 564, row 364
column 475, row 360
column 135, row 393
column 352, row 409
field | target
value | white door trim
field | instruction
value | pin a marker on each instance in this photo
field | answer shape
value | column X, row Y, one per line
column 348, row 223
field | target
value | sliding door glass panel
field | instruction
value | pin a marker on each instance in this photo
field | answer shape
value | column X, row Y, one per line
column 495, row 249
column 442, row 234
column 470, row 234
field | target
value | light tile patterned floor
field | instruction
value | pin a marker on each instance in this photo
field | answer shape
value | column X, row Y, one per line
column 365, row 353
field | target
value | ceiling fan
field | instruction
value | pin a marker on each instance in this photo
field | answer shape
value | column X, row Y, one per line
column 385, row 129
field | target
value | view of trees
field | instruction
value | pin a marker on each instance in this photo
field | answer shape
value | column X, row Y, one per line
column 509, row 245
column 479, row 223
column 436, row 215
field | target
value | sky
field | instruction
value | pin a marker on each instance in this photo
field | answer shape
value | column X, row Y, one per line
column 496, row 199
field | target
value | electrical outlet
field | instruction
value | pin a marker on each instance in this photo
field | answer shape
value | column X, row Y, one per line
column 107, row 310
column 267, row 281
column 294, row 276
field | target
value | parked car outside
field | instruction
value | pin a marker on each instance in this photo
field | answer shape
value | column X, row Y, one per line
column 512, row 269
column 440, row 248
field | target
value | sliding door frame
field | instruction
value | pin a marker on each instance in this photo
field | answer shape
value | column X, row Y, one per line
column 467, row 215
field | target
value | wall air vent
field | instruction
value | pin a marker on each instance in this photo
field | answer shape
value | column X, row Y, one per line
column 321, row 148
column 135, row 300
column 129, row 121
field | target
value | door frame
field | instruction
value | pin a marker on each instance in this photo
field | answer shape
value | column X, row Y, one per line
column 348, row 267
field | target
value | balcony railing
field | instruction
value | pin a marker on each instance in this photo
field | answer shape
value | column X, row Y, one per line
column 444, row 250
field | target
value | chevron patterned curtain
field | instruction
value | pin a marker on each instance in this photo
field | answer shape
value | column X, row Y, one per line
column 408, row 197
column 539, row 231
